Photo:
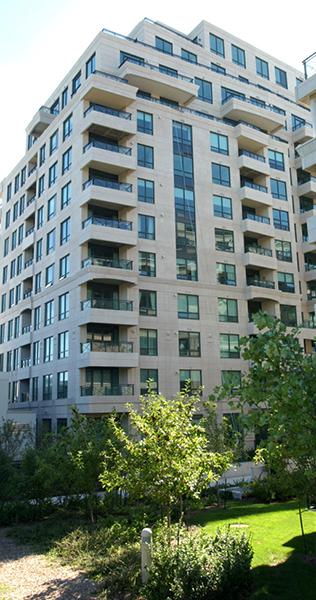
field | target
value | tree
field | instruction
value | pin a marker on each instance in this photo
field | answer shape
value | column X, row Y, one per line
column 278, row 394
column 13, row 437
column 164, row 453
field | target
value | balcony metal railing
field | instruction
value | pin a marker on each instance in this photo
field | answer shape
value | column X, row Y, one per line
column 26, row 362
column 26, row 328
column 107, row 304
column 253, row 101
column 264, row 283
column 311, row 294
column 258, row 157
column 286, row 287
column 28, row 263
column 108, row 183
column 306, row 179
column 122, row 114
column 304, row 238
column 114, row 263
column 27, row 294
column 256, row 218
column 283, row 255
column 31, row 200
column 309, row 267
column 107, row 222
column 107, row 146
column 141, row 63
column 110, row 76
column 100, row 346
column 30, row 231
column 298, row 125
column 309, row 324
column 97, row 389
column 254, row 186
column 25, row 397
column 258, row 250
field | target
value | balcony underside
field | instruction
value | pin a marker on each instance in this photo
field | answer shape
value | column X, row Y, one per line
column 261, row 294
column 254, row 198
column 250, row 167
column 108, row 359
column 103, row 315
column 114, row 127
column 239, row 110
column 111, row 235
column 307, row 152
column 107, row 91
column 302, row 135
column 40, row 122
column 108, row 197
column 102, row 405
column 255, row 227
column 109, row 275
column 251, row 259
column 105, row 160
column 249, row 138
column 307, row 189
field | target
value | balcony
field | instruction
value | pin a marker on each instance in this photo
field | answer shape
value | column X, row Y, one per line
column 265, row 118
column 107, row 183
column 251, row 163
column 256, row 224
column 264, row 283
column 308, row 154
column 99, row 346
column 26, row 362
column 43, row 118
column 287, row 288
column 116, row 231
column 254, row 195
column 250, row 137
column 107, row 222
column 109, row 194
column 113, row 263
column 307, row 187
column 105, row 88
column 302, row 133
column 262, row 258
column 26, row 329
column 126, row 389
column 110, row 270
column 101, row 310
column 110, row 157
column 150, row 78
column 116, row 123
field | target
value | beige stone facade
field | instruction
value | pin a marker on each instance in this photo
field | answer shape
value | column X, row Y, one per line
column 159, row 204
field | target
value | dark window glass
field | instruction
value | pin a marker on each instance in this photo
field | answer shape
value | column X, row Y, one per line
column 280, row 77
column 220, row 174
column 147, row 264
column 217, row 45
column 146, row 191
column 205, row 90
column 189, row 343
column 227, row 310
column 238, row 56
column 281, row 219
column 147, row 303
column 144, row 122
column 219, row 143
column 188, row 306
column 148, row 342
column 222, row 207
column 163, row 46
column 188, row 56
column 262, row 68
column 229, row 344
column 224, row 240
column 278, row 189
column 145, row 156
column 90, row 66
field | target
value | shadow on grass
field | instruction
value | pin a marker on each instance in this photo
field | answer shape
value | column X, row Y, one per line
column 236, row 510
column 77, row 588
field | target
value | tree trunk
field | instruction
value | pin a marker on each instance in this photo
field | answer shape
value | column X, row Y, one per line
column 91, row 508
column 217, row 492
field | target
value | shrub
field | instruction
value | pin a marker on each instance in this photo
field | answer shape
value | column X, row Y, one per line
column 276, row 487
column 200, row 567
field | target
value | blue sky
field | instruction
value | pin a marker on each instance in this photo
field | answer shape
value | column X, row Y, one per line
column 41, row 40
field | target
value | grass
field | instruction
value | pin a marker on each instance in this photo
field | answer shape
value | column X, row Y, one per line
column 278, row 567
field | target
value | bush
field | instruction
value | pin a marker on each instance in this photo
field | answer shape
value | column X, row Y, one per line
column 200, row 567
column 276, row 487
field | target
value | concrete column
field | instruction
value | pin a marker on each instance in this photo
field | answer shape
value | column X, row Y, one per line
column 146, row 537
column 313, row 112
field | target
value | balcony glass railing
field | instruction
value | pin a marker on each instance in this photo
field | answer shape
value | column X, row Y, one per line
column 141, row 63
column 107, row 222
column 32, row 170
column 301, row 180
column 97, row 389
column 311, row 294
column 309, row 324
column 258, row 157
column 114, row 263
column 31, row 200
column 30, row 231
column 27, row 294
column 254, row 186
column 28, row 263
column 107, row 304
column 108, row 183
column 122, row 114
column 264, row 283
column 256, row 218
column 26, row 329
column 309, row 267
column 25, row 397
column 26, row 362
column 258, row 250
column 96, row 346
column 109, row 76
column 107, row 146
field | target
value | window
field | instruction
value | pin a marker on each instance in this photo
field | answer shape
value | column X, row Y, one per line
column 148, row 342
column 51, row 208
column 14, row 240
column 9, row 361
column 188, row 56
column 38, row 283
column 280, row 77
column 42, row 155
column 66, row 161
column 145, row 156
column 49, row 275
column 222, row 207
column 278, row 189
column 53, row 143
column 131, row 58
column 11, row 298
column 146, row 191
column 41, row 186
column 62, row 384
column 61, row 424
column 47, row 387
column 217, row 45
column 22, row 205
column 232, row 379
column 220, row 174
column 224, row 240
column 147, row 264
column 286, row 282
column 17, row 325
column 205, row 90
column 238, row 56
column 288, row 315
column 5, row 274
column 66, row 195
column 48, row 349
column 20, row 234
column 227, row 94
column 36, row 353
column 283, row 250
column 229, row 344
column 145, row 376
column 168, row 71
column 188, row 306
column 276, row 160
column 146, row 227
column 64, row 98
column 219, row 143
column 63, row 306
column 2, row 333
column 9, row 192
column 218, row 69
column 37, row 318
column 281, row 219
column 63, row 344
column 65, row 231
column 185, row 236
column 55, row 108
column 90, row 66
column 7, row 219
column 64, row 267
column 3, row 302
column 147, row 303
column 144, row 122
column 163, row 46
column 262, row 68
column 189, row 343
column 23, row 176
column 15, row 367
column 187, row 269
column 76, row 83
column 67, row 127
column 18, row 293
column 49, row 313
column 6, row 247
column 35, row 389
column 15, row 211
column 53, row 171
column 227, row 310
column 10, row 330
column 12, row 268
column 195, row 380
column 50, row 241
column 39, row 250
column 16, row 183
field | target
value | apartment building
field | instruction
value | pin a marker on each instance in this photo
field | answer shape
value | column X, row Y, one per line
column 160, row 203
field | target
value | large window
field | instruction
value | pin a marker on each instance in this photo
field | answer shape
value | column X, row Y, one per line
column 41, row 186
column 219, row 143
column 205, row 90
column 36, row 353
column 145, row 156
column 50, row 241
column 64, row 267
column 276, row 160
column 37, row 318
column 49, row 313
column 280, row 77
column 146, row 227
column 281, row 219
column 229, row 345
column 163, row 46
column 191, row 380
column 147, row 303
column 238, row 56
column 47, row 387
column 189, row 343
column 64, row 98
column 39, row 250
column 278, row 189
column 144, row 122
column 187, row 269
column 224, row 240
column 222, row 207
column 63, row 344
column 62, row 384
column 227, row 310
column 63, row 306
column 220, row 174
column 48, row 349
column 146, row 191
column 148, row 342
column 217, row 45
column 76, row 83
column 51, row 208
column 283, row 250
column 188, row 306
column 49, row 275
column 262, row 68
column 145, row 376
column 147, row 264
column 288, row 315
column 232, row 379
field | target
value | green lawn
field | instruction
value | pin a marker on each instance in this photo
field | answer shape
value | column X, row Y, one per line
column 279, row 571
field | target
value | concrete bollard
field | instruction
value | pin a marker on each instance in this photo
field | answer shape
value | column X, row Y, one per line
column 146, row 537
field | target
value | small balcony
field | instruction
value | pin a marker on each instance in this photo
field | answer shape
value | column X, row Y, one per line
column 108, row 194
column 239, row 109
column 287, row 288
column 256, row 224
column 100, row 346
column 107, row 183
column 105, row 88
column 43, row 118
column 118, row 312
column 108, row 270
column 307, row 187
column 106, row 229
column 254, row 195
column 264, row 283
column 107, row 222
column 262, row 258
column 301, row 133
column 113, row 263
column 26, row 329
column 126, row 389
column 117, row 123
column 308, row 154
column 251, row 163
column 250, row 137
column 110, row 157
column 26, row 362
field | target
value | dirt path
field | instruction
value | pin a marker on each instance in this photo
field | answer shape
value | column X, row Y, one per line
column 28, row 576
